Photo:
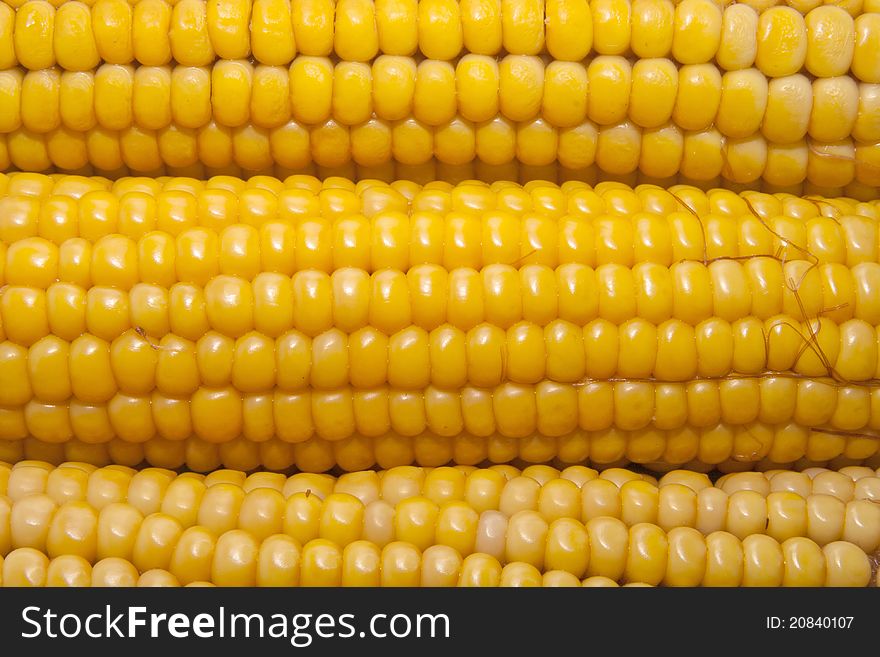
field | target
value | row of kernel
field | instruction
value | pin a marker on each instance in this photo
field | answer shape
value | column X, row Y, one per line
column 429, row 296
column 268, row 233
column 301, row 196
column 74, row 527
column 223, row 200
column 483, row 173
column 160, row 553
column 274, row 31
column 105, row 241
column 534, row 487
column 853, row 7
column 455, row 174
column 422, row 174
column 260, row 416
column 446, row 357
column 794, row 447
column 620, row 150
column 576, row 491
column 255, row 231
column 147, row 489
column 352, row 507
column 649, row 92
column 53, row 369
column 90, row 206
column 316, row 564
column 779, row 39
column 547, row 410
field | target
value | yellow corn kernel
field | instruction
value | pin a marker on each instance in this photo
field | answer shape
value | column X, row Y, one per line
column 481, row 26
column 440, row 29
column 864, row 59
column 611, row 26
column 40, row 91
column 788, row 110
column 568, row 29
column 188, row 34
column 313, row 26
column 112, row 27
column 397, row 26
column 697, row 31
column 355, row 32
column 699, row 96
column 229, row 27
column 73, row 41
column 33, row 35
column 434, row 100
column 272, row 35
column 150, row 37
column 738, row 45
column 522, row 24
column 521, row 81
column 744, row 96
column 7, row 49
column 654, row 91
column 652, row 28
column 610, row 83
column 835, row 108
column 782, row 42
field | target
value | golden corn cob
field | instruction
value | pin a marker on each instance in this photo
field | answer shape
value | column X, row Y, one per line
column 604, row 547
column 77, row 36
column 222, row 384
column 651, row 93
column 307, row 521
column 457, row 509
column 87, row 434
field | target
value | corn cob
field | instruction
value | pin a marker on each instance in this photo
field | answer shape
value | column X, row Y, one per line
column 722, row 447
column 76, row 36
column 70, row 522
column 651, row 93
column 521, row 520
column 214, row 411
column 604, row 547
